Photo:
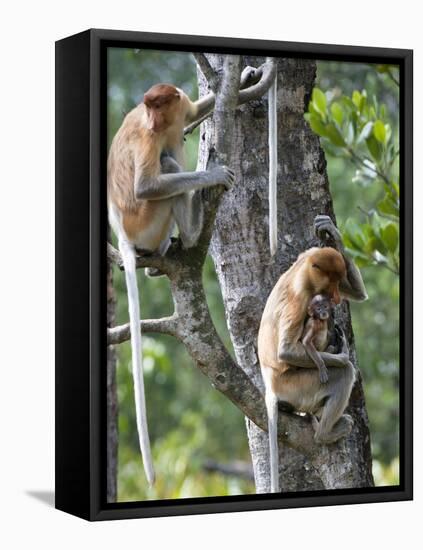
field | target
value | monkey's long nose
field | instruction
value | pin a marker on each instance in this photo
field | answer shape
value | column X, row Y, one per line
column 336, row 297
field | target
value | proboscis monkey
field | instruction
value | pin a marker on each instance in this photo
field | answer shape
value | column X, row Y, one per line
column 315, row 336
column 148, row 193
column 289, row 373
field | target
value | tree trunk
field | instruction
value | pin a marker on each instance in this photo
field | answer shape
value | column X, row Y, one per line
column 112, row 404
column 247, row 273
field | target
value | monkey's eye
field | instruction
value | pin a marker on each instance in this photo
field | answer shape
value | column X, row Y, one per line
column 316, row 266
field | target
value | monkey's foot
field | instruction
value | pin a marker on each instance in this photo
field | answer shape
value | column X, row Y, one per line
column 325, row 229
column 323, row 374
column 341, row 429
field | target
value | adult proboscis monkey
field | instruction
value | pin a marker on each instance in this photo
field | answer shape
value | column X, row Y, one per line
column 148, row 193
column 289, row 373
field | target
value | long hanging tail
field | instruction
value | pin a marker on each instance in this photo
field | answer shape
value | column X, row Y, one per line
column 128, row 257
column 273, row 167
column 272, row 419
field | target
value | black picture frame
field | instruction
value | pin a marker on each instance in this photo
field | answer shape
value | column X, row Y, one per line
column 81, row 225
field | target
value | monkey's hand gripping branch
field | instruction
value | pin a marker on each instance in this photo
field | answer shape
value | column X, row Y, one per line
column 191, row 322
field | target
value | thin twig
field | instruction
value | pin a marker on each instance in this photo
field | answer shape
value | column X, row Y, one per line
column 362, row 162
column 122, row 333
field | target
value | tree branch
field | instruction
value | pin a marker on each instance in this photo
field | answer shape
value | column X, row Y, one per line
column 268, row 74
column 236, row 468
column 207, row 70
column 258, row 84
column 165, row 325
column 166, row 264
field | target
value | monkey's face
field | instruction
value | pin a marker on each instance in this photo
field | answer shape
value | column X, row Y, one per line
column 320, row 307
column 162, row 105
column 326, row 268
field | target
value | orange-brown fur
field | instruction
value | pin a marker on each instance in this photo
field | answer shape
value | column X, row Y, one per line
column 286, row 308
column 136, row 149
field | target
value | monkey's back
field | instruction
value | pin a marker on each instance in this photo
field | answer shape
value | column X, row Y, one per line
column 145, row 223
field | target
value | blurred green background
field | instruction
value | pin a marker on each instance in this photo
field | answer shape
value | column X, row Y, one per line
column 194, row 430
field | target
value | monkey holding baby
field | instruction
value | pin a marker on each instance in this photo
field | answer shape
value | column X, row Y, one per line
column 290, row 347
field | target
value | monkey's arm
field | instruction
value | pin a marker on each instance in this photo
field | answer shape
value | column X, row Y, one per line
column 170, row 185
column 312, row 352
column 295, row 354
column 352, row 285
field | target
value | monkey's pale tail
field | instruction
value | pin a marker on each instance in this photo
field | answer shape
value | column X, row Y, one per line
column 272, row 419
column 128, row 256
column 273, row 167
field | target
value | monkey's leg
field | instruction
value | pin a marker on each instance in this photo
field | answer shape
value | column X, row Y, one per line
column 168, row 166
column 313, row 354
column 341, row 429
column 333, row 424
column 188, row 212
column 164, row 245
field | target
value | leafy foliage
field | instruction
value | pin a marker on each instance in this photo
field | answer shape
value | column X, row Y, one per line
column 376, row 321
column 359, row 130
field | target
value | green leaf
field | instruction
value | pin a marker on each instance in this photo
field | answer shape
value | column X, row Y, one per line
column 334, row 135
column 337, row 113
column 388, row 206
column 319, row 100
column 317, row 126
column 374, row 147
column 378, row 225
column 365, row 132
column 350, row 133
column 355, row 233
column 390, row 236
column 360, row 259
column 346, row 101
column 379, row 131
column 360, row 263
column 356, row 98
column 396, row 187
column 311, row 109
column 383, row 110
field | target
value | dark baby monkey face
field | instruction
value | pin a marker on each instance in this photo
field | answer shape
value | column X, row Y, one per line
column 320, row 307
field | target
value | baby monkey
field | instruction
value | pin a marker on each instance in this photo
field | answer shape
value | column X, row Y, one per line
column 315, row 334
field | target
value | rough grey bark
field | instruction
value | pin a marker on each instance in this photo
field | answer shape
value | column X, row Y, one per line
column 247, row 273
column 112, row 403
